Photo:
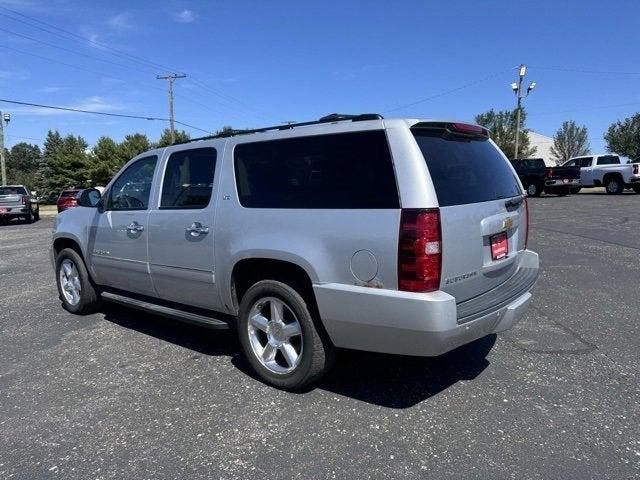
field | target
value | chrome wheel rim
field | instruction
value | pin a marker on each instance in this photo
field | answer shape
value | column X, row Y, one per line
column 532, row 189
column 275, row 335
column 612, row 186
column 70, row 282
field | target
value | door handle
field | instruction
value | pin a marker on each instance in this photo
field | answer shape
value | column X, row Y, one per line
column 135, row 227
column 196, row 229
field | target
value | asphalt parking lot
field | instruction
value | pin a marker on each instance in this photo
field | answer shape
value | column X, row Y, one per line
column 122, row 394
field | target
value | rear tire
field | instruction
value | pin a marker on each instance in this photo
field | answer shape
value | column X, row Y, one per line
column 30, row 218
column 36, row 215
column 614, row 185
column 77, row 291
column 282, row 341
column 534, row 189
column 576, row 189
column 636, row 188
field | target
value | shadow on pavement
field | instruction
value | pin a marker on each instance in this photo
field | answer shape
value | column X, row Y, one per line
column 392, row 381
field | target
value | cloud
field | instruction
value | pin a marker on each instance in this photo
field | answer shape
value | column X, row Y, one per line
column 122, row 21
column 185, row 16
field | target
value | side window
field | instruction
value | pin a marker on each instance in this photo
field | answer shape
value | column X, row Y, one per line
column 188, row 179
column 340, row 171
column 609, row 160
column 537, row 163
column 132, row 188
column 571, row 163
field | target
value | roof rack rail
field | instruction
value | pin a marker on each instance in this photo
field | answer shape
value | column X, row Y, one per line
column 334, row 117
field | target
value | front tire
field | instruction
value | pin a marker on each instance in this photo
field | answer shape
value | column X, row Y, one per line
column 77, row 292
column 30, row 218
column 280, row 337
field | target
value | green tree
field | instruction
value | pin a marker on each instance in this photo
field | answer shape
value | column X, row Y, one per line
column 133, row 145
column 64, row 165
column 502, row 125
column 570, row 141
column 623, row 137
column 225, row 130
column 165, row 138
column 23, row 162
column 106, row 160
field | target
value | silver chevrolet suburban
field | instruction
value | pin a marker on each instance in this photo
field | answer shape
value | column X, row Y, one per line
column 354, row 231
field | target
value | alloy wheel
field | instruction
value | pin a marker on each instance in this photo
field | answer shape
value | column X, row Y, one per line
column 275, row 335
column 70, row 281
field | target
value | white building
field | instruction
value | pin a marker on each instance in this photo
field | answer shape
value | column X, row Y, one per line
column 543, row 145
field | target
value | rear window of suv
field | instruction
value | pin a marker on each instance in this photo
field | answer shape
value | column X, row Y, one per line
column 465, row 170
column 336, row 171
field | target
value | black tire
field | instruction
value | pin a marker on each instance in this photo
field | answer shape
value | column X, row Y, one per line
column 614, row 185
column 534, row 189
column 36, row 215
column 30, row 218
column 563, row 192
column 89, row 300
column 636, row 188
column 576, row 190
column 317, row 351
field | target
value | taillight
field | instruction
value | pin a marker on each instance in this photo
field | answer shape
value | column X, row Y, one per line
column 636, row 169
column 526, row 214
column 549, row 171
column 419, row 250
column 24, row 199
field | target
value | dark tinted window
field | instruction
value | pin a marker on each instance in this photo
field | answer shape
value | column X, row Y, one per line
column 536, row 163
column 465, row 170
column 69, row 193
column 13, row 191
column 609, row 160
column 132, row 188
column 347, row 170
column 188, row 179
column 576, row 162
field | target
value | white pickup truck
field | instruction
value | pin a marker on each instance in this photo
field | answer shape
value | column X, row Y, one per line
column 606, row 171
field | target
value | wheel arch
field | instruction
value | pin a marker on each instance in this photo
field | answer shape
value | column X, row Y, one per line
column 248, row 270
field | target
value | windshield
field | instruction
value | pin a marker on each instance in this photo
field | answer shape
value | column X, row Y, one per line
column 13, row 191
column 466, row 170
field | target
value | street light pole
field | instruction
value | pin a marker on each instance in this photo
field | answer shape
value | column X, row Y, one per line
column 3, row 167
column 517, row 89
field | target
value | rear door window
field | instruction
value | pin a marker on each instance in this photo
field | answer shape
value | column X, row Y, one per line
column 337, row 171
column 13, row 191
column 188, row 179
column 465, row 170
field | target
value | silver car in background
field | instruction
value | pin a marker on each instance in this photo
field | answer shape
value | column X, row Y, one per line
column 401, row 236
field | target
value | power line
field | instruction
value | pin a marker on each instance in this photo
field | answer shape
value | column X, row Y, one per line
column 109, row 50
column 94, row 112
column 453, row 90
column 578, row 70
column 72, row 51
column 584, row 109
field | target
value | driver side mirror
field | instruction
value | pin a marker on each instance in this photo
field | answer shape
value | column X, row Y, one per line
column 89, row 197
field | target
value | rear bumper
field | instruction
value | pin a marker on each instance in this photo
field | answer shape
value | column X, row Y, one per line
column 421, row 324
column 13, row 211
column 574, row 182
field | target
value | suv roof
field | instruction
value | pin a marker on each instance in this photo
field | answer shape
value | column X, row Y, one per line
column 327, row 119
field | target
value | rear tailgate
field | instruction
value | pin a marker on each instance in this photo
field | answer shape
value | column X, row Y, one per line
column 560, row 173
column 11, row 196
column 482, row 209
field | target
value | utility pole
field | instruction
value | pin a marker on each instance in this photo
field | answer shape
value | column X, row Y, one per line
column 170, row 79
column 517, row 89
column 3, row 167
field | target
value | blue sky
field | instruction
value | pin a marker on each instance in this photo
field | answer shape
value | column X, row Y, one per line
column 252, row 63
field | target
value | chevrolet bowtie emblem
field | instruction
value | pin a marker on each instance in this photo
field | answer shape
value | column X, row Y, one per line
column 507, row 223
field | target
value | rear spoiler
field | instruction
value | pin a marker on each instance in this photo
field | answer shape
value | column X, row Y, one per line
column 454, row 129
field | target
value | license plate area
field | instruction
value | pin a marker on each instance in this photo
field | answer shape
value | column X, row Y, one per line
column 499, row 246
